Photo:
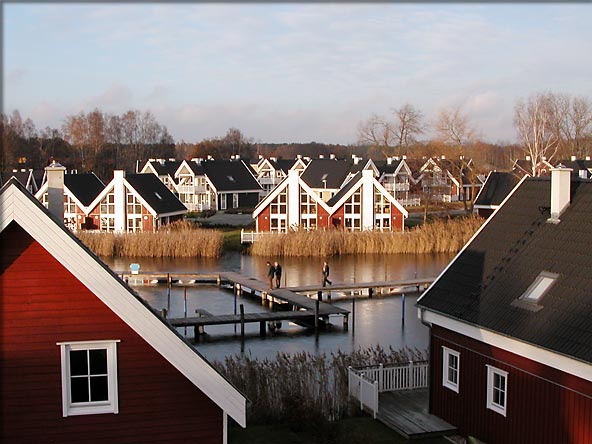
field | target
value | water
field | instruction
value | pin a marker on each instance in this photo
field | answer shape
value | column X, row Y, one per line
column 377, row 321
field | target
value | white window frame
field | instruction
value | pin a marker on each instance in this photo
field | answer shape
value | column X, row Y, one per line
column 234, row 200
column 222, row 201
column 491, row 403
column 111, row 405
column 447, row 382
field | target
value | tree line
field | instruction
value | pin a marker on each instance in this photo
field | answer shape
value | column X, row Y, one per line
column 548, row 125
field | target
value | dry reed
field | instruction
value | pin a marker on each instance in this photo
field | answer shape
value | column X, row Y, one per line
column 439, row 236
column 180, row 239
column 296, row 387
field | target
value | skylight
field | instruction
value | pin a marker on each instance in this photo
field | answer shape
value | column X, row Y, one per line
column 541, row 285
column 230, row 178
column 158, row 195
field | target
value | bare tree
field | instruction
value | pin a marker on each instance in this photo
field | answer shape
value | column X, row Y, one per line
column 536, row 123
column 453, row 129
column 377, row 133
column 408, row 125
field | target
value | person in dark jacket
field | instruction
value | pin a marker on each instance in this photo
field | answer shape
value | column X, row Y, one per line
column 270, row 274
column 326, row 274
column 278, row 274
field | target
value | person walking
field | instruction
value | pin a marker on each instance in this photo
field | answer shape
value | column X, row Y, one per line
column 278, row 274
column 326, row 274
column 270, row 274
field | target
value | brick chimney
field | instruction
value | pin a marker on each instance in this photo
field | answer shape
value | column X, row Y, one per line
column 55, row 189
column 560, row 192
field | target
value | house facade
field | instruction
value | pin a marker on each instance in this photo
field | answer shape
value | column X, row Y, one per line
column 509, row 318
column 83, row 358
column 134, row 203
column 362, row 204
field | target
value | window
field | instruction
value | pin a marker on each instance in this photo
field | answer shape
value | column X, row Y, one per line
column 234, row 200
column 543, row 282
column 450, row 368
column 222, row 201
column 89, row 377
column 497, row 390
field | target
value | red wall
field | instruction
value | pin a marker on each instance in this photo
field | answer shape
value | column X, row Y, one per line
column 397, row 220
column 323, row 220
column 544, row 405
column 263, row 222
column 41, row 304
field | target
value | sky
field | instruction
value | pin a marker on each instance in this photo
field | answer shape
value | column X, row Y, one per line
column 291, row 72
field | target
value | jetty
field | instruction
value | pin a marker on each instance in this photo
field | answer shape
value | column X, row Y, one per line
column 309, row 306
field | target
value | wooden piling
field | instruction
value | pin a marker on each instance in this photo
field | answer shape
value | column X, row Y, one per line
column 316, row 316
column 370, row 293
column 403, row 309
column 242, row 322
column 353, row 312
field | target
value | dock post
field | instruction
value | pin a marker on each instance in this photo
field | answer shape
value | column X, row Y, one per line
column 185, row 305
column 235, row 294
column 263, row 297
column 403, row 309
column 345, row 322
column 218, row 280
column 370, row 293
column 329, row 296
column 316, row 315
column 168, row 299
column 353, row 316
column 163, row 313
column 320, row 295
column 262, row 329
column 242, row 322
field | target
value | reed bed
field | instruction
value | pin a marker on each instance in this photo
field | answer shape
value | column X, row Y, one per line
column 439, row 236
column 180, row 239
column 300, row 386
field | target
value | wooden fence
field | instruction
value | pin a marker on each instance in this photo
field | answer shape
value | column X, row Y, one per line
column 365, row 383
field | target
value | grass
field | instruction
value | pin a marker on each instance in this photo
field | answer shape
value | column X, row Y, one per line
column 362, row 430
column 437, row 236
column 303, row 387
column 180, row 239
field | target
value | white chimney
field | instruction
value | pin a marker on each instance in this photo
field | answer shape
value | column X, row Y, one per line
column 321, row 156
column 528, row 158
column 560, row 192
column 389, row 160
column 573, row 158
column 55, row 189
column 332, row 156
column 404, row 157
column 587, row 157
column 443, row 157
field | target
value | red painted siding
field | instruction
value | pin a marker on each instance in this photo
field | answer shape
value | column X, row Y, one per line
column 397, row 219
column 42, row 304
column 263, row 222
column 337, row 218
column 323, row 220
column 544, row 405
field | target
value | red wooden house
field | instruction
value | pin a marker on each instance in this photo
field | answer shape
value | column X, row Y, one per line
column 83, row 358
column 511, row 321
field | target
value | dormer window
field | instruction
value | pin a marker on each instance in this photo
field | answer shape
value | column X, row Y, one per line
column 541, row 285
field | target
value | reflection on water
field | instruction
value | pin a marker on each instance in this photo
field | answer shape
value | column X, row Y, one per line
column 377, row 321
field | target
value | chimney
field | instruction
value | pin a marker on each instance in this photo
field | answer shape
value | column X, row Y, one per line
column 528, row 158
column 332, row 156
column 55, row 189
column 560, row 192
column 587, row 157
column 389, row 160
column 573, row 158
column 321, row 156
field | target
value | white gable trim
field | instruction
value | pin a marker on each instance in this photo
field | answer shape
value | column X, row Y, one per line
column 39, row 194
column 537, row 354
column 267, row 200
column 18, row 206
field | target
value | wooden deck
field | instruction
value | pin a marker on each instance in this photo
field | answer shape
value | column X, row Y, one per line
column 406, row 412
column 282, row 294
column 236, row 318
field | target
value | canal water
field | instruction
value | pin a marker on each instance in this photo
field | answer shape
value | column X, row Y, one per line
column 378, row 321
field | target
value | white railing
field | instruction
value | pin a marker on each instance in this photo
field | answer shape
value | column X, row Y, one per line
column 365, row 383
column 252, row 236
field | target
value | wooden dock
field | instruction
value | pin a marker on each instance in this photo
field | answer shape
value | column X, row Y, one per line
column 406, row 412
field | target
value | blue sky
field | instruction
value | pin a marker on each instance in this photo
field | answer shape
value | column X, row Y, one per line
column 291, row 72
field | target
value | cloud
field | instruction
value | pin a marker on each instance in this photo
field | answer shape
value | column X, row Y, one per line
column 114, row 98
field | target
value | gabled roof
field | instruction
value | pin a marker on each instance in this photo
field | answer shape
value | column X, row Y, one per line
column 155, row 194
column 26, row 177
column 85, row 187
column 496, row 188
column 230, row 175
column 281, row 187
column 482, row 285
column 193, row 166
column 19, row 206
column 356, row 182
column 578, row 165
column 163, row 167
column 326, row 173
